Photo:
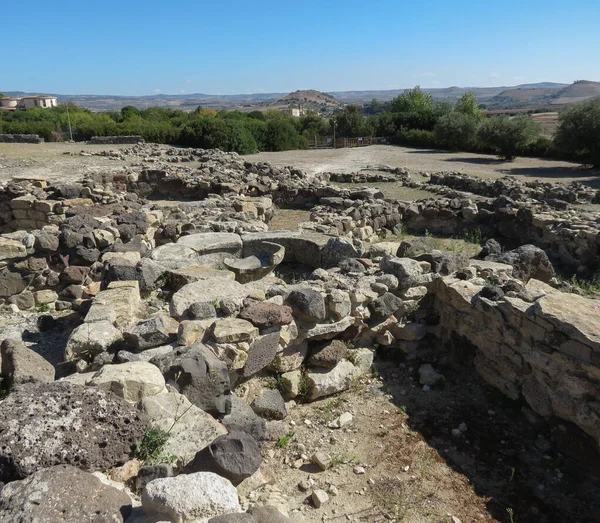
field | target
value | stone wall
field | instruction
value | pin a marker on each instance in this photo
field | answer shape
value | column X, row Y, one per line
column 542, row 345
column 20, row 138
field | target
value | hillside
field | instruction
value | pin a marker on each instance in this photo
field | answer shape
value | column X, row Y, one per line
column 577, row 92
column 308, row 100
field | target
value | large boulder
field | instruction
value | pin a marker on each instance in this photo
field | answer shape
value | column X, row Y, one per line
column 270, row 405
column 213, row 290
column 243, row 418
column 235, row 456
column 200, row 376
column 90, row 339
column 62, row 494
column 131, row 381
column 528, row 261
column 336, row 250
column 190, row 428
column 323, row 382
column 175, row 256
column 22, row 365
column 61, row 423
column 190, row 497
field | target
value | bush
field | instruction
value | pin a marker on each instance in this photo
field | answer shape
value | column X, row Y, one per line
column 416, row 138
column 350, row 123
column 578, row 133
column 507, row 136
column 457, row 131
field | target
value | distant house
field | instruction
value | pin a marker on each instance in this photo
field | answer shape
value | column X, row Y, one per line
column 8, row 103
column 11, row 103
column 41, row 100
column 293, row 111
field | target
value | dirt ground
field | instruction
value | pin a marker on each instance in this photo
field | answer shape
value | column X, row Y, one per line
column 417, row 160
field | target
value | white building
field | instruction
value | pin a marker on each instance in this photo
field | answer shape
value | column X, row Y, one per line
column 41, row 100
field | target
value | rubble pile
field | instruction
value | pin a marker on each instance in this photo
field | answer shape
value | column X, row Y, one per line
column 190, row 343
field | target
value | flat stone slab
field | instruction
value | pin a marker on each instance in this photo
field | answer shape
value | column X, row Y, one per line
column 577, row 317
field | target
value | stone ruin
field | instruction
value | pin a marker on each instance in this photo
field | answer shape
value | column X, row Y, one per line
column 155, row 267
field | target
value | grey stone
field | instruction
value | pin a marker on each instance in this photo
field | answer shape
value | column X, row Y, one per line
column 190, row 428
column 59, row 423
column 429, row 376
column 91, row 339
column 387, row 305
column 261, row 353
column 235, row 518
column 243, row 418
column 268, row 514
column 528, row 261
column 326, row 382
column 200, row 375
column 148, row 473
column 22, row 365
column 190, row 497
column 235, row 456
column 175, row 256
column 24, row 300
column 270, row 405
column 202, row 310
column 131, row 381
column 157, row 331
column 11, row 283
column 308, row 305
column 62, row 494
column 336, row 250
column 215, row 290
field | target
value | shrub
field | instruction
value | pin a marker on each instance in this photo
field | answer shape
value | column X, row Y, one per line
column 507, row 136
column 578, row 133
column 416, row 138
column 457, row 130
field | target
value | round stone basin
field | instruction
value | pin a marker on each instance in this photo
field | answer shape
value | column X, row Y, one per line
column 268, row 256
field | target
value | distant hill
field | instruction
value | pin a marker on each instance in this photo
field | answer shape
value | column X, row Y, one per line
column 577, row 92
column 544, row 94
column 308, row 100
column 525, row 96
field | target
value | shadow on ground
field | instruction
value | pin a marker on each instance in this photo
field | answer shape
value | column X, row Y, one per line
column 542, row 472
column 50, row 337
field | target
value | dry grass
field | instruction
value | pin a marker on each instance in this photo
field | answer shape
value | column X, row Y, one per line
column 288, row 219
column 467, row 246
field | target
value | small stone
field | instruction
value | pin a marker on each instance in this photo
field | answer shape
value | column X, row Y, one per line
column 322, row 460
column 319, row 497
column 358, row 470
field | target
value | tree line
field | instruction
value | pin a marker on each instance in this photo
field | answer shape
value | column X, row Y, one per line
column 412, row 118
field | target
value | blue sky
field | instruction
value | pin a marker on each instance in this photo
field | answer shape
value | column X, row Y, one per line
column 134, row 48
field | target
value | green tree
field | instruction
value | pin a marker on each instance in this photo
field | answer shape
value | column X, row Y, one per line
column 578, row 134
column 350, row 123
column 413, row 100
column 457, row 130
column 508, row 136
column 468, row 105
column 282, row 135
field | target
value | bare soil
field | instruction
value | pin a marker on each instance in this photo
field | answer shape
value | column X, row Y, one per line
column 427, row 160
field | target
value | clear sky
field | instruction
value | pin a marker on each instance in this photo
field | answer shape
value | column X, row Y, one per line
column 131, row 47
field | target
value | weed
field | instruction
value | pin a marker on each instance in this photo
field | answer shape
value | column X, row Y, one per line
column 404, row 409
column 512, row 474
column 284, row 441
column 343, row 460
column 303, row 389
column 587, row 288
column 43, row 307
column 473, row 236
column 152, row 444
column 511, row 515
column 384, row 433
